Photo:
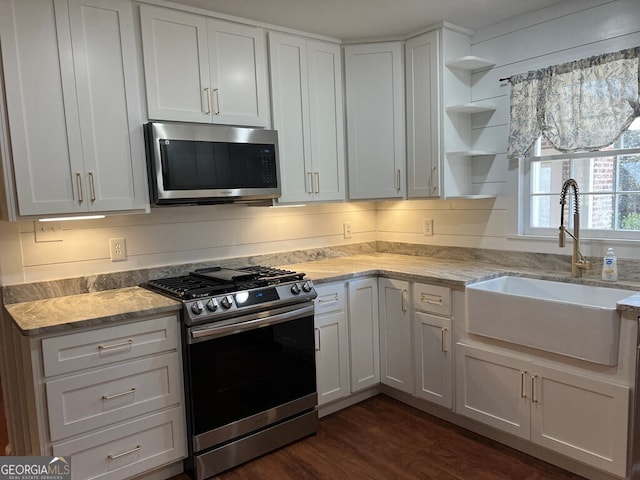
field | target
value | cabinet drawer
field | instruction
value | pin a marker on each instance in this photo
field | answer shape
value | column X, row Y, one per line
column 128, row 449
column 331, row 298
column 95, row 348
column 98, row 398
column 432, row 299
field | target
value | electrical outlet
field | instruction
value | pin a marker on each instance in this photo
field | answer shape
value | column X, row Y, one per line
column 346, row 229
column 117, row 249
column 428, row 226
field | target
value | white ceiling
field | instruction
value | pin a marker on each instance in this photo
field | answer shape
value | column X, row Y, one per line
column 358, row 19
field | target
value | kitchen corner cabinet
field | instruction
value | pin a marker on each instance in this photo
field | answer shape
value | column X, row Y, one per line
column 396, row 358
column 71, row 88
column 200, row 69
column 433, row 343
column 332, row 343
column 422, row 67
column 306, row 90
column 440, row 153
column 374, row 80
column 578, row 416
column 364, row 333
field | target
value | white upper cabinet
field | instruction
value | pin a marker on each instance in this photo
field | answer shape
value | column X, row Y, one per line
column 375, row 120
column 422, row 57
column 70, row 70
column 199, row 69
column 306, row 90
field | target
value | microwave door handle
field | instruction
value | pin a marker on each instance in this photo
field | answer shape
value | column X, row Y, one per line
column 249, row 324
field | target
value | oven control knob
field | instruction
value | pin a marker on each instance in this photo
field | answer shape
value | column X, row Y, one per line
column 306, row 286
column 226, row 302
column 295, row 289
column 212, row 305
column 197, row 307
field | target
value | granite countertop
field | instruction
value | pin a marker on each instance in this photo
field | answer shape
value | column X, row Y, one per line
column 98, row 308
column 59, row 314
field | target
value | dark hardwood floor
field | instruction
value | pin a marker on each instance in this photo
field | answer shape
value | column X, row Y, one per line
column 384, row 439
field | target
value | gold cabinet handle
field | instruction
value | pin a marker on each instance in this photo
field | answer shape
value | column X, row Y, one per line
column 534, row 398
column 431, row 299
column 317, row 175
column 92, row 187
column 310, row 175
column 217, row 110
column 403, row 296
column 434, row 172
column 128, row 452
column 79, row 184
column 131, row 391
column 208, row 92
column 126, row 344
column 398, row 180
column 332, row 298
column 444, row 340
column 523, row 393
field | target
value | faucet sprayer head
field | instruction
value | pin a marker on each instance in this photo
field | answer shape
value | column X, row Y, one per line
column 561, row 237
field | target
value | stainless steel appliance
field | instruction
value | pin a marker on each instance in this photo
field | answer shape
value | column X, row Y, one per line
column 249, row 362
column 200, row 164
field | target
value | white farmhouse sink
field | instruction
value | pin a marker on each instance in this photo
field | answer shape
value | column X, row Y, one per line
column 579, row 321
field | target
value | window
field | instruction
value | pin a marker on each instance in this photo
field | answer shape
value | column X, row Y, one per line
column 609, row 182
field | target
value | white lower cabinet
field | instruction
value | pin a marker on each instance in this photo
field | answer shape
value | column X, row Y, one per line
column 433, row 358
column 364, row 333
column 332, row 343
column 578, row 416
column 128, row 449
column 113, row 398
column 433, row 343
column 396, row 360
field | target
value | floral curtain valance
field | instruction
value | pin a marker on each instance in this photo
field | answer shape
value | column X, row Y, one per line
column 578, row 106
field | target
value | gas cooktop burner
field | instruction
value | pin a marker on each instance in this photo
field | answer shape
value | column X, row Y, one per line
column 207, row 282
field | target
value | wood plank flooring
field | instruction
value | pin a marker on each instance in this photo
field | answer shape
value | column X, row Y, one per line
column 383, row 439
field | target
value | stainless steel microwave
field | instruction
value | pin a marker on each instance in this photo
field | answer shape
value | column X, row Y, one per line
column 204, row 164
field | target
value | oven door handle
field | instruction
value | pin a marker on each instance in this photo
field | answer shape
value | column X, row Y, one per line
column 252, row 322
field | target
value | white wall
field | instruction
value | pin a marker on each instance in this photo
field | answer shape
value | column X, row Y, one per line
column 176, row 235
column 569, row 31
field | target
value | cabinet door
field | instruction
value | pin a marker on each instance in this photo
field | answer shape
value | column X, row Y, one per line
column 395, row 335
column 176, row 65
column 290, row 97
column 375, row 120
column 433, row 358
column 582, row 418
column 326, row 120
column 332, row 356
column 105, row 60
column 41, row 105
column 364, row 332
column 423, row 113
column 493, row 389
column 238, row 73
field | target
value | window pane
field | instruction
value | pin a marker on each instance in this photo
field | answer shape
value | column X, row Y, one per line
column 540, row 211
column 629, row 179
column 628, row 212
column 596, row 212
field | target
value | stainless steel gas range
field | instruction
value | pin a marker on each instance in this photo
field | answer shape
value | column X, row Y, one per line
column 249, row 362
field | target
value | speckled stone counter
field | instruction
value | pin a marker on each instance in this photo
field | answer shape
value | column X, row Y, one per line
column 445, row 272
column 59, row 314
column 73, row 310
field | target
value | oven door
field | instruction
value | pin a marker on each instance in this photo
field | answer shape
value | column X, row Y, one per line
column 250, row 372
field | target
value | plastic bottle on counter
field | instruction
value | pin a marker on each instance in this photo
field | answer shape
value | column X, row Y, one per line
column 610, row 266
